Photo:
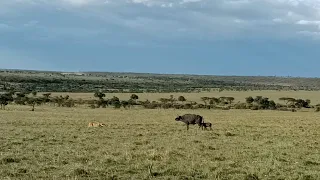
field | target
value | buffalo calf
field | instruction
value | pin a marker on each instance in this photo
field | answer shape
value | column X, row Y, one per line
column 205, row 125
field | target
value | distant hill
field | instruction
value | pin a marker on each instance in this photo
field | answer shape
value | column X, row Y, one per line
column 54, row 81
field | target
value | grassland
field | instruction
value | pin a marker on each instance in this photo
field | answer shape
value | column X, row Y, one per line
column 55, row 143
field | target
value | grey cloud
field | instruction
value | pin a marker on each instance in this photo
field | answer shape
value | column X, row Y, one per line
column 180, row 18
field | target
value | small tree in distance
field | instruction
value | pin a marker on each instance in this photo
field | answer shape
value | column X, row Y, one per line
column 249, row 100
column 134, row 97
column 99, row 95
column 181, row 99
column 34, row 93
column 230, row 99
column 34, row 101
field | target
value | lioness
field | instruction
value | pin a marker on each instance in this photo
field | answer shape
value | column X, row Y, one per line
column 92, row 124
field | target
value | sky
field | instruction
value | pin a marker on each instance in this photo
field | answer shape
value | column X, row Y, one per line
column 216, row 37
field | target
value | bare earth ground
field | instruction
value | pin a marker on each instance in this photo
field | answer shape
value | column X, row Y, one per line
column 314, row 96
column 55, row 143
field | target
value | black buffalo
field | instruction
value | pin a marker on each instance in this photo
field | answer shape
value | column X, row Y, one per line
column 190, row 119
column 205, row 125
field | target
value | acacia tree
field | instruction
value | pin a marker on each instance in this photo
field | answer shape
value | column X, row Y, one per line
column 287, row 100
column 214, row 100
column 181, row 99
column 21, row 98
column 229, row 99
column 115, row 101
column 5, row 99
column 172, row 99
column 134, row 97
column 205, row 99
column 46, row 97
column 249, row 100
column 101, row 102
column 99, row 95
column 34, row 101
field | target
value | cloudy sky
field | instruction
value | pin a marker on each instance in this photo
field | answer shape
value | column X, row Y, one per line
column 221, row 37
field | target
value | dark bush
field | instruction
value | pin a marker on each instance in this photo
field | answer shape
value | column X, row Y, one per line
column 187, row 106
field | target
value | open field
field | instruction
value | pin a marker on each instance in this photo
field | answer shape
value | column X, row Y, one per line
column 55, row 143
column 314, row 96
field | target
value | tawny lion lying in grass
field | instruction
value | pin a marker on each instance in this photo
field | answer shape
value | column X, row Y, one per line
column 93, row 124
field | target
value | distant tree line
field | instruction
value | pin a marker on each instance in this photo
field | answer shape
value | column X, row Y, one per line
column 55, row 82
column 33, row 99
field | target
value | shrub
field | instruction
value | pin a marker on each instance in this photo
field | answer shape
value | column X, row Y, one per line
column 226, row 108
column 249, row 100
column 181, row 98
column 187, row 106
column 200, row 106
column 255, row 107
column 240, row 106
column 166, row 106
column 283, row 109
column 272, row 105
column 178, row 106
column 117, row 104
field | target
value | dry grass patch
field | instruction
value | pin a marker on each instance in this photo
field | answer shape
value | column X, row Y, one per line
column 55, row 143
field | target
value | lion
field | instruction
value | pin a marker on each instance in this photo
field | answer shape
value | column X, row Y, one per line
column 93, row 124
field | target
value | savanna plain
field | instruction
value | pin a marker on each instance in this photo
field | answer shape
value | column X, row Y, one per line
column 56, row 143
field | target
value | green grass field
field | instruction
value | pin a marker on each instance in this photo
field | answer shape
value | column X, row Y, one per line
column 55, row 143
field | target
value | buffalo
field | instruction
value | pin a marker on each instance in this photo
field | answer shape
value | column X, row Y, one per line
column 190, row 119
column 205, row 125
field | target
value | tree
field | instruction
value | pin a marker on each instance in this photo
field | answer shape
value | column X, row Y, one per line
column 131, row 102
column 5, row 99
column 115, row 101
column 181, row 99
column 214, row 100
column 34, row 93
column 299, row 103
column 46, row 97
column 308, row 101
column 99, row 95
column 34, row 101
column 249, row 100
column 21, row 98
column 124, row 104
column 164, row 100
column 258, row 99
column 230, row 99
column 205, row 99
column 272, row 105
column 172, row 99
column 134, row 97
column 287, row 100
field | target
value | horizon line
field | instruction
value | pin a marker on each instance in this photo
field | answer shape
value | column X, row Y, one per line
column 154, row 73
